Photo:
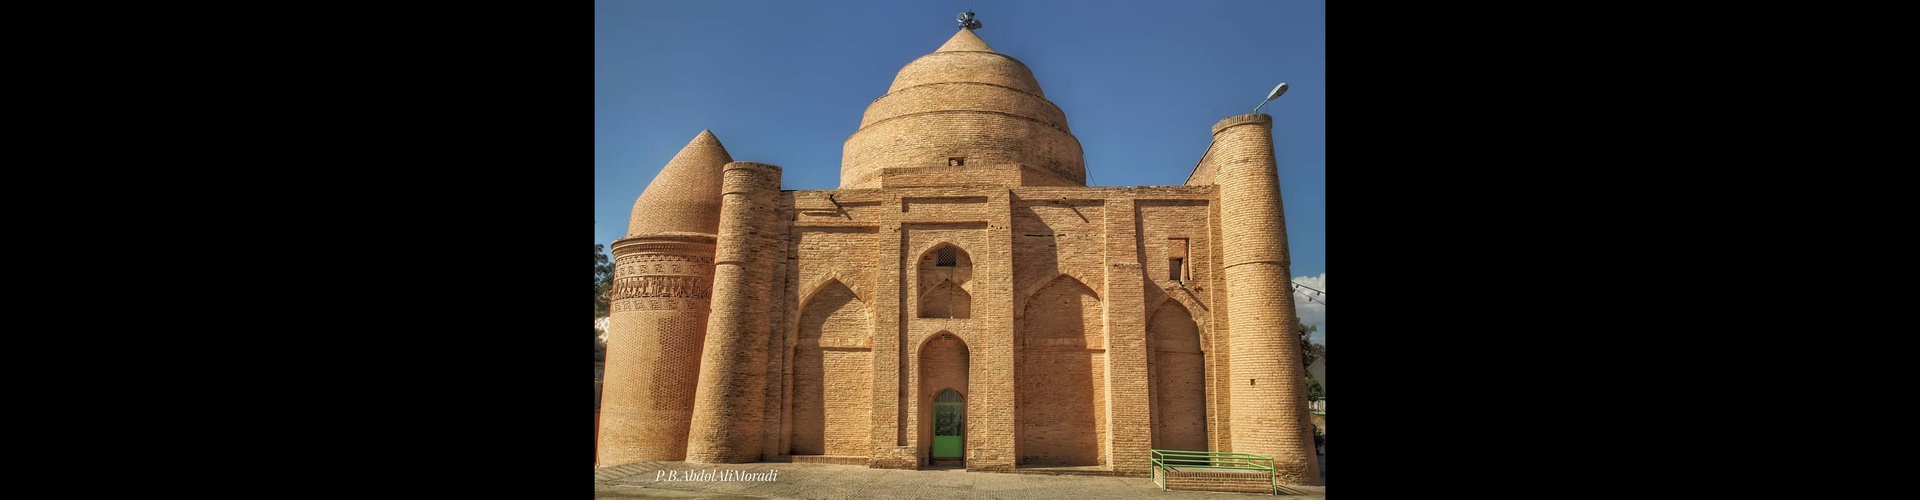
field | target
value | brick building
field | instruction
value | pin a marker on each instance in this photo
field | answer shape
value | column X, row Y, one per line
column 963, row 297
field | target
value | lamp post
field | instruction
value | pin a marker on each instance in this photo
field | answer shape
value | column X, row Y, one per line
column 1277, row 90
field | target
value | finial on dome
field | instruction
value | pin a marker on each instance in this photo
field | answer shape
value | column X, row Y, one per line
column 967, row 22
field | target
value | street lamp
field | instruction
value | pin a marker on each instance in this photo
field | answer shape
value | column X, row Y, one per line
column 1277, row 90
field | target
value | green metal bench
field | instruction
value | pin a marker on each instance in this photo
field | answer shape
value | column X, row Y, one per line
column 1164, row 461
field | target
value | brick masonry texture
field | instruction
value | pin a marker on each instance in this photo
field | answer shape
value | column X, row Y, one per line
column 681, row 198
column 833, row 375
column 727, row 414
column 663, row 272
column 1271, row 417
column 980, row 136
column 1202, row 480
column 820, row 329
column 963, row 101
column 943, row 365
column 1178, row 380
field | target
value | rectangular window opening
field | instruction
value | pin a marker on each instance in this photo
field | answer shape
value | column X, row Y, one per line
column 947, row 257
column 1177, row 259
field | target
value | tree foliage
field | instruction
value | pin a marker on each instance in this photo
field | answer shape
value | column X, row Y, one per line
column 1310, row 352
column 599, row 349
column 602, row 281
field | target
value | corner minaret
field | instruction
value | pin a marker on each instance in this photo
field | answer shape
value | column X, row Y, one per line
column 1268, row 405
column 663, row 275
column 727, row 417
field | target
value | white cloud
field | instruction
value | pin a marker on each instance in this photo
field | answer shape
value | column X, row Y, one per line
column 1312, row 312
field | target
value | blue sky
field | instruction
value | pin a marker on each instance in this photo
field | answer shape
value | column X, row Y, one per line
column 785, row 83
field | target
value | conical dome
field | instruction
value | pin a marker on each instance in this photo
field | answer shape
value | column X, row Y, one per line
column 964, row 101
column 685, row 196
column 965, row 41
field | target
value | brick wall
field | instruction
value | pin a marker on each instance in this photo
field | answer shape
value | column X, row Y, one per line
column 1095, row 239
column 1061, row 378
column 1203, row 480
column 1179, row 380
column 929, row 220
column 1181, row 228
column 833, row 375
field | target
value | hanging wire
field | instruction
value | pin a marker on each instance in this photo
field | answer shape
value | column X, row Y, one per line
column 1312, row 296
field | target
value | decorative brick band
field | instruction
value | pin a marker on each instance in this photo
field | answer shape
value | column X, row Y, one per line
column 633, row 265
column 662, row 286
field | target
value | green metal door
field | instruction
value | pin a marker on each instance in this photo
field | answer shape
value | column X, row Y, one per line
column 949, row 425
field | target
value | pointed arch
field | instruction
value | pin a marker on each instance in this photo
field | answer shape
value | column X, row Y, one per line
column 1178, row 387
column 1063, row 294
column 944, row 281
column 946, row 300
column 1195, row 310
column 927, row 340
column 1027, row 293
column 819, row 283
column 942, row 363
column 1060, row 376
column 832, row 373
column 927, row 250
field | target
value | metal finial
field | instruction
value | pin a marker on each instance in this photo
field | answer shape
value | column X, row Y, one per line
column 967, row 21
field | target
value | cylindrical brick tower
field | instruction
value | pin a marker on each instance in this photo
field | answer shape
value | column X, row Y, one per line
column 663, row 270
column 727, row 409
column 1269, row 397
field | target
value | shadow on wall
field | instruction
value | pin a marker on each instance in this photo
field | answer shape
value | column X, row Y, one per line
column 1060, row 400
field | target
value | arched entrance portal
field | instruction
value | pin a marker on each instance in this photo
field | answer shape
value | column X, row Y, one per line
column 942, row 398
column 949, row 425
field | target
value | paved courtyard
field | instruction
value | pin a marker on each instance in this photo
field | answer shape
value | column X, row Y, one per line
column 652, row 480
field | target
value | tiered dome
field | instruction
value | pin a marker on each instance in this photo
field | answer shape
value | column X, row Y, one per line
column 685, row 196
column 964, row 100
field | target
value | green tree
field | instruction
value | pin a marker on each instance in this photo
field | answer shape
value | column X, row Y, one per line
column 1310, row 352
column 602, row 281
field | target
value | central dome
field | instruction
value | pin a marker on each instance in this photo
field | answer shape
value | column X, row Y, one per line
column 963, row 115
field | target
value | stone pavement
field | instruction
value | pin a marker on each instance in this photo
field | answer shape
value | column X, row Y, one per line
column 650, row 480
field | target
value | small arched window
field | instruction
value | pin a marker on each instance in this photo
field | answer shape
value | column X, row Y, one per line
column 947, row 396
